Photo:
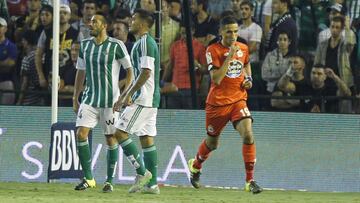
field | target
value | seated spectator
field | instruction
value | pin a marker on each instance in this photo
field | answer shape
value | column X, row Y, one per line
column 292, row 83
column 178, row 71
column 318, row 89
column 284, row 23
column 148, row 5
column 8, row 54
column 335, row 54
column 29, row 77
column 276, row 62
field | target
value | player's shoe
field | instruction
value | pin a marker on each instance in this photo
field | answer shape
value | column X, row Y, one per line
column 253, row 187
column 86, row 184
column 140, row 181
column 194, row 174
column 107, row 187
column 151, row 190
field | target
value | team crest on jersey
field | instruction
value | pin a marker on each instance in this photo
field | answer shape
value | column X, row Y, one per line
column 234, row 69
column 239, row 53
column 210, row 129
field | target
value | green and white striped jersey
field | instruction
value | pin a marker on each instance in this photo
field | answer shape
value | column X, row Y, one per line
column 145, row 54
column 102, row 64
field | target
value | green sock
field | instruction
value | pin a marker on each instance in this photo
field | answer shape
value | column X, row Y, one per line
column 150, row 160
column 112, row 158
column 132, row 154
column 85, row 158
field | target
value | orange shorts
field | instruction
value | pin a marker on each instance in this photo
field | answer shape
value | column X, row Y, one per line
column 218, row 116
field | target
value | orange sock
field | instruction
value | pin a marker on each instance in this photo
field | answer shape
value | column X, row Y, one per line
column 202, row 155
column 249, row 156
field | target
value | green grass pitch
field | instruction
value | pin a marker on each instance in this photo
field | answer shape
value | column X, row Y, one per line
column 61, row 192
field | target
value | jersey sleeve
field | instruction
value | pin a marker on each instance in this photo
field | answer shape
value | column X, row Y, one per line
column 212, row 59
column 122, row 55
column 148, row 50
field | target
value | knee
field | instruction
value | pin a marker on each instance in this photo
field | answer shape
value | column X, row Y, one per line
column 121, row 136
column 110, row 140
column 82, row 134
column 212, row 144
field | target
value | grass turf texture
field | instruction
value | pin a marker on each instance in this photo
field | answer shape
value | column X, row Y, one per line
column 60, row 192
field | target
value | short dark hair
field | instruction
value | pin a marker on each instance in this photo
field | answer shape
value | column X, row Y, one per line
column 319, row 65
column 228, row 20
column 146, row 16
column 288, row 2
column 284, row 32
column 340, row 19
column 227, row 13
column 47, row 8
column 123, row 13
column 247, row 2
column 204, row 3
column 88, row 2
column 118, row 21
column 30, row 36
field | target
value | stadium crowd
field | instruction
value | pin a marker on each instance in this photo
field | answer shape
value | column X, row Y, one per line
column 305, row 54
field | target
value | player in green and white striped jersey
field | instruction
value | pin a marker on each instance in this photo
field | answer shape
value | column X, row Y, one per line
column 99, row 61
column 141, row 100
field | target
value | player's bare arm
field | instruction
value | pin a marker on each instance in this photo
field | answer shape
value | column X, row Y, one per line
column 247, row 84
column 78, row 86
column 217, row 75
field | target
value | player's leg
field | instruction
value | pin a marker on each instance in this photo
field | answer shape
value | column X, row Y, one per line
column 125, row 125
column 107, row 121
column 242, row 121
column 150, row 161
column 86, row 119
column 216, row 119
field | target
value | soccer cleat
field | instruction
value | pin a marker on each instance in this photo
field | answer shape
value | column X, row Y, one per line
column 151, row 190
column 194, row 174
column 140, row 181
column 86, row 184
column 253, row 187
column 107, row 187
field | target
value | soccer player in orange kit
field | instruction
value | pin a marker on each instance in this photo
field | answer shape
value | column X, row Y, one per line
column 229, row 66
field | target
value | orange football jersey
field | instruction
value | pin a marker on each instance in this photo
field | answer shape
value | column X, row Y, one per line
column 229, row 91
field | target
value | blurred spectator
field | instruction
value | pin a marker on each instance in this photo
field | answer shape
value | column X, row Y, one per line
column 46, row 17
column 4, row 13
column 88, row 9
column 68, row 35
column 267, row 16
column 17, row 8
column 249, row 30
column 178, row 70
column 313, row 19
column 335, row 54
column 74, row 7
column 259, row 6
column 276, row 62
column 175, row 9
column 216, row 7
column 8, row 54
column 284, row 22
column 123, row 15
column 29, row 77
column 148, row 5
column 354, row 8
column 292, row 83
column 206, row 28
column 169, row 33
column 235, row 5
column 121, row 32
column 67, row 77
column 319, row 88
column 129, row 5
column 334, row 10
